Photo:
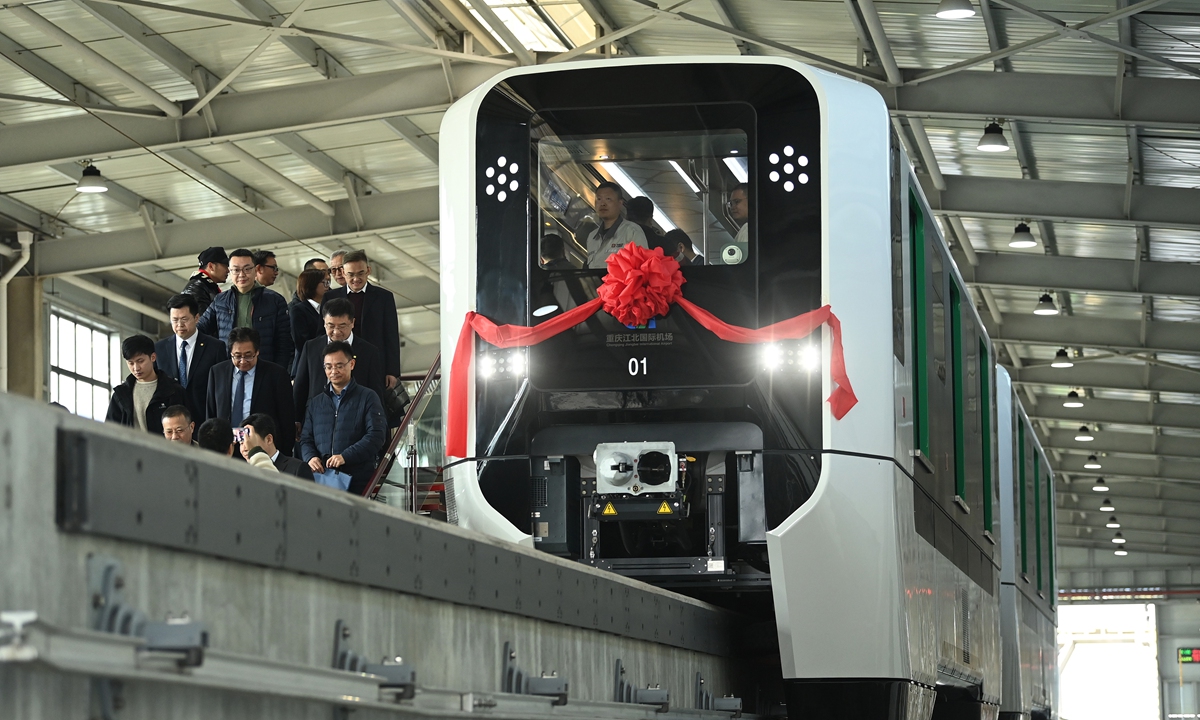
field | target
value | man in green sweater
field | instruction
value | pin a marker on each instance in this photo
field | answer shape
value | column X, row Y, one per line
column 140, row 401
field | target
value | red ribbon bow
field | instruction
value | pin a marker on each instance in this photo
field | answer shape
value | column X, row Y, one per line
column 640, row 284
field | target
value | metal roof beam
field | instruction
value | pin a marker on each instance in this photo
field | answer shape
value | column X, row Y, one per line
column 1144, row 547
column 33, row 219
column 1162, row 336
column 304, row 48
column 222, row 182
column 1109, row 376
column 1131, row 444
column 1138, row 534
column 1074, row 99
column 1125, row 412
column 604, row 21
column 49, row 75
column 413, row 135
column 242, row 115
column 316, row 157
column 122, row 196
column 1103, row 203
column 1098, row 275
column 266, row 230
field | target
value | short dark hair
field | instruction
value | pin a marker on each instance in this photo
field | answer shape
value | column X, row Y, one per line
column 244, row 334
column 177, row 411
column 262, row 423
column 741, row 186
column 215, row 434
column 552, row 247
column 307, row 282
column 313, row 263
column 261, row 257
column 611, row 186
column 339, row 346
column 135, row 345
column 241, row 252
column 677, row 237
column 338, row 307
column 183, row 300
column 640, row 207
column 356, row 256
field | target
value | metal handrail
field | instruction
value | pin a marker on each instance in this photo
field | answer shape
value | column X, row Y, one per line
column 389, row 457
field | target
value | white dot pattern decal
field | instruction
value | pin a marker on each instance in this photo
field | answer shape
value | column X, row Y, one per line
column 789, row 172
column 505, row 175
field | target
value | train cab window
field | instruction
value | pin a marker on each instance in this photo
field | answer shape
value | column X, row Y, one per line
column 684, row 192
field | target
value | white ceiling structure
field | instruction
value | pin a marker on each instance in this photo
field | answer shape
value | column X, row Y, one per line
column 305, row 126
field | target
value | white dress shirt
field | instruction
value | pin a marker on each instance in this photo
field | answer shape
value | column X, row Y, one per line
column 191, row 352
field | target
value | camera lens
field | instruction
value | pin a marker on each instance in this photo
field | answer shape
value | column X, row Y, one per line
column 654, row 468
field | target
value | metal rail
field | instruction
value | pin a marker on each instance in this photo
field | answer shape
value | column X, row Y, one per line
column 389, row 456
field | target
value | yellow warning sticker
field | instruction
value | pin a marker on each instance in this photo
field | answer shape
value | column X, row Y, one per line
column 664, row 509
column 610, row 510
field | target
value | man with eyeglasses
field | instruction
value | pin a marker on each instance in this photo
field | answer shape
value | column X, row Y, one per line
column 335, row 268
column 188, row 354
column 247, row 384
column 344, row 427
column 338, row 315
column 266, row 268
column 739, row 210
column 374, row 312
column 250, row 305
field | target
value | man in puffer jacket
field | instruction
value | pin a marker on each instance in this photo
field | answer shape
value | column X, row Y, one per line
column 248, row 304
column 344, row 427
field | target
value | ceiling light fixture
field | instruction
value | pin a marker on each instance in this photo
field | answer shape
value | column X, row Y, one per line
column 1022, row 237
column 1112, row 523
column 1045, row 306
column 686, row 178
column 737, row 166
column 1062, row 359
column 1092, row 463
column 1100, row 485
column 1120, row 552
column 1073, row 401
column 993, row 139
column 955, row 9
column 1119, row 539
column 1084, row 435
column 92, row 181
column 1107, row 506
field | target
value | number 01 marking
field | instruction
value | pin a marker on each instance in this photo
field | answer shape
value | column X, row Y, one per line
column 637, row 366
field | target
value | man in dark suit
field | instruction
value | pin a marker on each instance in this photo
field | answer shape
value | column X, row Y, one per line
column 339, row 327
column 197, row 351
column 262, row 435
column 374, row 312
column 244, row 385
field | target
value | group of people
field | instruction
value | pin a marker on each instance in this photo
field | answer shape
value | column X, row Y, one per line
column 622, row 221
column 297, row 386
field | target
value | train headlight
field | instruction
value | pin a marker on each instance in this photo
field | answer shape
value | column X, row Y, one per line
column 487, row 366
column 810, row 357
column 516, row 363
column 772, row 356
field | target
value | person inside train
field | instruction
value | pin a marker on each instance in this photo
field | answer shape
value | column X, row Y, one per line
column 260, row 435
column 178, row 425
column 215, row 434
column 640, row 212
column 614, row 231
column 266, row 268
column 188, row 354
column 205, row 283
column 141, row 400
column 680, row 245
column 553, row 252
column 739, row 210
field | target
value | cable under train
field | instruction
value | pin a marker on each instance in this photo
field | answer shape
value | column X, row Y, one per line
column 895, row 563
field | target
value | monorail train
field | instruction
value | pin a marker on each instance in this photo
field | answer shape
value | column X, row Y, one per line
column 866, row 546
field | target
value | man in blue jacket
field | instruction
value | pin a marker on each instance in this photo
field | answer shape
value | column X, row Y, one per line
column 248, row 304
column 344, row 426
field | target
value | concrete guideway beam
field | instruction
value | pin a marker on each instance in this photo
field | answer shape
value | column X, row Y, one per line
column 242, row 115
column 269, row 228
column 1007, row 199
column 1055, row 98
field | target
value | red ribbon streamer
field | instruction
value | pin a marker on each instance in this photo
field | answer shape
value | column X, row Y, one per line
column 506, row 336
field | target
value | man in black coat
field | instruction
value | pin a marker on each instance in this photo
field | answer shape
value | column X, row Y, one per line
column 141, row 400
column 262, row 435
column 259, row 386
column 200, row 352
column 204, row 284
column 339, row 327
column 374, row 312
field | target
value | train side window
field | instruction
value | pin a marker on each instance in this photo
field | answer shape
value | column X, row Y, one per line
column 1021, row 494
column 920, row 376
column 937, row 279
column 1037, row 518
column 1050, row 530
column 985, row 411
column 958, row 368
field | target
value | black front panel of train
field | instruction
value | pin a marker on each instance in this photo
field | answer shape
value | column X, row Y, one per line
column 672, row 370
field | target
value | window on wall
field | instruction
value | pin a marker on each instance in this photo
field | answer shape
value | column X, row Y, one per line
column 85, row 364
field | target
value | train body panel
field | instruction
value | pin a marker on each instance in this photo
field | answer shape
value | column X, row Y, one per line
column 881, row 573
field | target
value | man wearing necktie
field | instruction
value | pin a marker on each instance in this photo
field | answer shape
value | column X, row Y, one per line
column 374, row 312
column 187, row 354
column 246, row 384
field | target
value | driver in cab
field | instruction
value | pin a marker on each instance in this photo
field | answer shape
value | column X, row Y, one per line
column 614, row 232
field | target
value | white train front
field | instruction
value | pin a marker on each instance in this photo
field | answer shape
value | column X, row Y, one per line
column 862, row 550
